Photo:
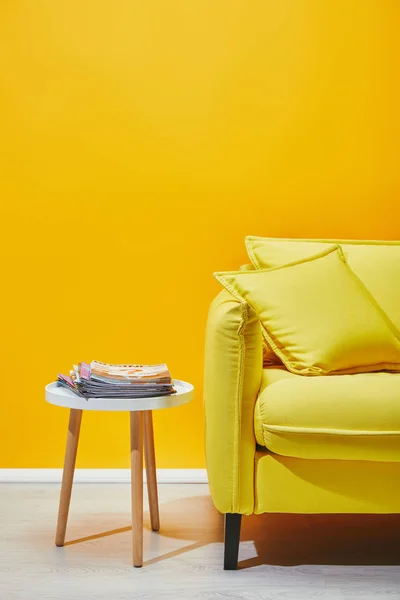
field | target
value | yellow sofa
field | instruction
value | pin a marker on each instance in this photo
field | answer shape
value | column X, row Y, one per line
column 287, row 443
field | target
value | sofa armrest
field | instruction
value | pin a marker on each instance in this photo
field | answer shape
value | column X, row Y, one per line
column 233, row 372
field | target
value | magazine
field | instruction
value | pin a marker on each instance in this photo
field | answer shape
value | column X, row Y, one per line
column 103, row 380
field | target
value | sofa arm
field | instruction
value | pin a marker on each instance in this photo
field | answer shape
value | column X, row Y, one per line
column 233, row 372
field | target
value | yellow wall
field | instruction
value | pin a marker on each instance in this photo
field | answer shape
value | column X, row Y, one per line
column 141, row 141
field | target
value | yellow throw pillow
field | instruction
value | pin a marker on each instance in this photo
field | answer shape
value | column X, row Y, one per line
column 318, row 317
column 375, row 262
column 269, row 357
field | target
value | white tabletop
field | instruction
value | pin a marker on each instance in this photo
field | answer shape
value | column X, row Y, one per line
column 61, row 396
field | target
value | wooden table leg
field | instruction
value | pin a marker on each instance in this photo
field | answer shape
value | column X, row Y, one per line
column 151, row 473
column 74, row 427
column 136, row 418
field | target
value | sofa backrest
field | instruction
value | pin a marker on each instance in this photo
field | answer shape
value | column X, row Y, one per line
column 377, row 263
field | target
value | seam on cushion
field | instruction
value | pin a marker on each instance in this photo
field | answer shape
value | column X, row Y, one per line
column 251, row 255
column 230, row 287
column 374, row 368
column 367, row 293
column 327, row 241
column 290, row 364
column 287, row 361
column 239, row 398
column 258, row 410
column 333, row 432
column 370, row 368
column 261, row 406
column 222, row 275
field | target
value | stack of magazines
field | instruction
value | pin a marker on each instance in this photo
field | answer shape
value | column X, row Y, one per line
column 102, row 380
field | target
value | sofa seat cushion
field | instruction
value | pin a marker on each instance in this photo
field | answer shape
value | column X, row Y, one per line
column 349, row 417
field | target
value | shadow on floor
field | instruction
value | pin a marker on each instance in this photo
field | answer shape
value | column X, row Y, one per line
column 288, row 540
column 96, row 536
column 280, row 539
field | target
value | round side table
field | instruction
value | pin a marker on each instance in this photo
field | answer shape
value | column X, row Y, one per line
column 141, row 421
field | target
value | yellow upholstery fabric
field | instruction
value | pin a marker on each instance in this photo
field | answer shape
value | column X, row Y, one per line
column 318, row 316
column 377, row 263
column 269, row 356
column 243, row 479
column 233, row 372
column 294, row 485
column 347, row 417
column 247, row 267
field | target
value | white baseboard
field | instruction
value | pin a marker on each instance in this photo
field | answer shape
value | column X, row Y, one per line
column 100, row 475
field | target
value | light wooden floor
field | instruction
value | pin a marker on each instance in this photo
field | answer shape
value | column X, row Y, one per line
column 282, row 557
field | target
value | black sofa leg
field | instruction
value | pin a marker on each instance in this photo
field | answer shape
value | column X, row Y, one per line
column 232, row 538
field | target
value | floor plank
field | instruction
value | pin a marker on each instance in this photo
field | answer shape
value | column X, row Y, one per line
column 282, row 557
